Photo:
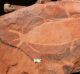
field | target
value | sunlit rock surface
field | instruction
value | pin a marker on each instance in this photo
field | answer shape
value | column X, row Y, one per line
column 47, row 32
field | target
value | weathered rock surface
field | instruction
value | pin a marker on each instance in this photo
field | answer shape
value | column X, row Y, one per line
column 48, row 31
column 43, row 1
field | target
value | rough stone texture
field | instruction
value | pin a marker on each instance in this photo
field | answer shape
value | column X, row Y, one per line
column 69, row 0
column 43, row 1
column 47, row 31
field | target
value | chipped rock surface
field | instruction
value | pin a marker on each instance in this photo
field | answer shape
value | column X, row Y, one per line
column 41, row 39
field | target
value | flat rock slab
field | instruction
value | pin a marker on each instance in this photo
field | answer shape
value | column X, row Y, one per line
column 41, row 31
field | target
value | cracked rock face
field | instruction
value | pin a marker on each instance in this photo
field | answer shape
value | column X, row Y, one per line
column 49, row 32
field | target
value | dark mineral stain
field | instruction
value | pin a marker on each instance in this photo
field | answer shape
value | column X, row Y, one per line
column 76, row 73
column 67, row 69
column 24, row 73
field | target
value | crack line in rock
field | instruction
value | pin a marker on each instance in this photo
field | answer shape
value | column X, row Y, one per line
column 9, row 67
column 16, row 48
